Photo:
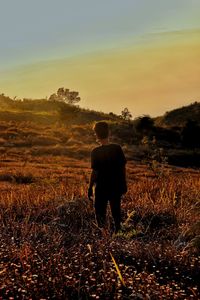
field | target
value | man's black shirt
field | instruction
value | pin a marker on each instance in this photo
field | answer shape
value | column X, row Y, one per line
column 109, row 163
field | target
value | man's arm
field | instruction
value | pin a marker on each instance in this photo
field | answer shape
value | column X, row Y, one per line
column 123, row 162
column 93, row 177
column 124, row 189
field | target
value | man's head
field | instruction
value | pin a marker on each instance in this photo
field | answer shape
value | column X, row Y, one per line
column 101, row 130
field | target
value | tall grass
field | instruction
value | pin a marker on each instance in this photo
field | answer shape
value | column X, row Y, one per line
column 51, row 247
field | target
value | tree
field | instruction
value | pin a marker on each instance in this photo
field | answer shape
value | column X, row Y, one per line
column 126, row 115
column 145, row 124
column 65, row 95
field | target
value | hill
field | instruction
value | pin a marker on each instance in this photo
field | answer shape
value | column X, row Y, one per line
column 43, row 127
column 36, row 110
column 179, row 116
column 48, row 127
column 43, row 111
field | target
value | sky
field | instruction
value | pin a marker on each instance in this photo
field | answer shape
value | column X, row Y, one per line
column 131, row 53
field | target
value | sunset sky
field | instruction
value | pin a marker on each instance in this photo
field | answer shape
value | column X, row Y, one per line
column 140, row 54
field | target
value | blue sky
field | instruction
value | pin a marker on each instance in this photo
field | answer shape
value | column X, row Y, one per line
column 32, row 31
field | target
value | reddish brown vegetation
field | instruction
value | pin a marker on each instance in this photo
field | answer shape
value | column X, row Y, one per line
column 50, row 247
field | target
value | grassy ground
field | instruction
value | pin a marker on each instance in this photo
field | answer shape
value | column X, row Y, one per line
column 51, row 248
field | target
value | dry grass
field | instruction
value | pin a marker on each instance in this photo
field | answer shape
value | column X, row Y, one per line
column 50, row 247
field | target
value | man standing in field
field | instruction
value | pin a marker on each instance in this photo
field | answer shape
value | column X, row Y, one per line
column 108, row 175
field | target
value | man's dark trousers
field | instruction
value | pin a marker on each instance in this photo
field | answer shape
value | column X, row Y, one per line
column 101, row 202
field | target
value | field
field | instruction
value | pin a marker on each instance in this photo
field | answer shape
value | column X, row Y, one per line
column 51, row 248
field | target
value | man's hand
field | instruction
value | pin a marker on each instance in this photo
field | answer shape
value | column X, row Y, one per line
column 90, row 193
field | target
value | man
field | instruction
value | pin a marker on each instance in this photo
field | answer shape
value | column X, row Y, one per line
column 108, row 175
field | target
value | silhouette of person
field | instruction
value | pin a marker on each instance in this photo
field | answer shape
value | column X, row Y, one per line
column 108, row 176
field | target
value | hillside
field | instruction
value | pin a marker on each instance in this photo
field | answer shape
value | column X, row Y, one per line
column 43, row 111
column 47, row 111
column 43, row 127
column 179, row 116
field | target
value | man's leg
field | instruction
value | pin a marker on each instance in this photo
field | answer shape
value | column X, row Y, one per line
column 100, row 209
column 115, row 205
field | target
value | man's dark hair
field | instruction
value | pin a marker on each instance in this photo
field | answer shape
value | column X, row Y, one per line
column 101, row 129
